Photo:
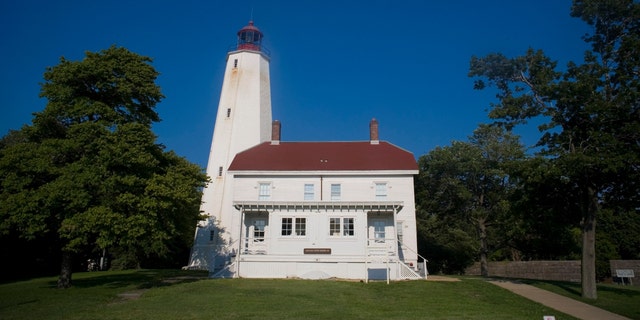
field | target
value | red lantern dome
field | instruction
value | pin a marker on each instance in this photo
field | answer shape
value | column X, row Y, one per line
column 249, row 38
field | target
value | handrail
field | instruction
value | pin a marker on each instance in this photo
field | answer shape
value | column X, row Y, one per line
column 424, row 260
column 249, row 243
column 231, row 257
column 236, row 256
column 263, row 49
column 398, row 242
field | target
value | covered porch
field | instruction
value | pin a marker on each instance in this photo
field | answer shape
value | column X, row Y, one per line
column 330, row 239
column 317, row 227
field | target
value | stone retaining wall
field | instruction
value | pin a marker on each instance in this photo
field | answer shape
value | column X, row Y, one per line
column 567, row 270
column 627, row 265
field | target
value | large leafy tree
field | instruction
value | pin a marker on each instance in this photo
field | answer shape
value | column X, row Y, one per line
column 467, row 188
column 87, row 173
column 592, row 133
column 542, row 192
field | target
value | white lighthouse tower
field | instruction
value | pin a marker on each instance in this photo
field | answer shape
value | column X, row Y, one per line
column 243, row 121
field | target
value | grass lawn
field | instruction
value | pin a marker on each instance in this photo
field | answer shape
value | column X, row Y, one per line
column 623, row 300
column 96, row 296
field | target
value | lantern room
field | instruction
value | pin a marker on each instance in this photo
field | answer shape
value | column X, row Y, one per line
column 249, row 38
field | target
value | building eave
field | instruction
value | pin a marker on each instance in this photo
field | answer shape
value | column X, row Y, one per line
column 238, row 173
column 317, row 206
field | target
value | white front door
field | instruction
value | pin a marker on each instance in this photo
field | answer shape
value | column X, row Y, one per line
column 380, row 231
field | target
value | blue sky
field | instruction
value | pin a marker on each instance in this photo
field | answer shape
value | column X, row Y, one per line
column 334, row 64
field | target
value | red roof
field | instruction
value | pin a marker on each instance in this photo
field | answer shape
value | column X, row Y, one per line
column 323, row 156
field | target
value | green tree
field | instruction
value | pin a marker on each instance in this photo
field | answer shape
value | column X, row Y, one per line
column 450, row 245
column 87, row 173
column 467, row 185
column 593, row 112
column 541, row 233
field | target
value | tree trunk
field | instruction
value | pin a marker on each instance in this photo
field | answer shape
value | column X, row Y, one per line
column 482, row 233
column 589, row 289
column 64, row 281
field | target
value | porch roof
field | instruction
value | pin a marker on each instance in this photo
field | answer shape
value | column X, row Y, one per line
column 375, row 206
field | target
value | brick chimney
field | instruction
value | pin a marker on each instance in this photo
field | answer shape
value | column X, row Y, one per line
column 373, row 131
column 275, row 132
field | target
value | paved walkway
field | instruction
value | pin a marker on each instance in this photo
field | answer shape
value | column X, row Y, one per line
column 561, row 303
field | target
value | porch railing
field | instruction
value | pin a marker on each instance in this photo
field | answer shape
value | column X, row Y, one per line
column 377, row 249
column 254, row 245
column 424, row 260
column 375, row 246
column 392, row 245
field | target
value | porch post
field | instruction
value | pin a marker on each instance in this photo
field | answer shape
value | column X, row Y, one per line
column 395, row 231
column 239, row 243
column 366, row 269
column 397, row 243
column 388, row 271
column 366, row 248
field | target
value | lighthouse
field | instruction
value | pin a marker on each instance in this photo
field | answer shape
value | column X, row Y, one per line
column 243, row 120
column 293, row 209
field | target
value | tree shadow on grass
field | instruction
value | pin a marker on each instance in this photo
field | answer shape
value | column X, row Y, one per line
column 574, row 288
column 568, row 287
column 140, row 279
column 623, row 290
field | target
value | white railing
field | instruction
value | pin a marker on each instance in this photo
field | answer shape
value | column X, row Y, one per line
column 380, row 250
column 406, row 272
column 230, row 256
column 227, row 271
column 254, row 245
column 424, row 260
column 388, row 247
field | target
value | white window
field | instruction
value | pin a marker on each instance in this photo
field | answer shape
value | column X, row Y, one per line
column 334, row 227
column 341, row 227
column 287, row 226
column 335, row 191
column 301, row 226
column 399, row 231
column 265, row 191
column 309, row 191
column 381, row 191
column 294, row 226
column 347, row 227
